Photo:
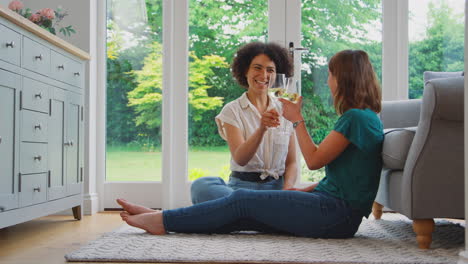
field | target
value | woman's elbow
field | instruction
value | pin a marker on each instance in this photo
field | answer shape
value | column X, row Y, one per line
column 314, row 166
column 240, row 162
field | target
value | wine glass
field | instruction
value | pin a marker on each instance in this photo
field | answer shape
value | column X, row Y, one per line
column 284, row 87
column 277, row 87
column 291, row 90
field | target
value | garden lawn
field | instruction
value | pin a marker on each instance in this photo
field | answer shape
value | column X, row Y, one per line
column 129, row 165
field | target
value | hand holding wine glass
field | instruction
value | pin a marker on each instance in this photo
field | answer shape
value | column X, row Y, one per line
column 292, row 110
column 270, row 119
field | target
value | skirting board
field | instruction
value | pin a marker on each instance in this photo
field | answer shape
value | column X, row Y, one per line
column 90, row 203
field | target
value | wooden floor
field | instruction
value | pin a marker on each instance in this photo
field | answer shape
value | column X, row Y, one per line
column 46, row 240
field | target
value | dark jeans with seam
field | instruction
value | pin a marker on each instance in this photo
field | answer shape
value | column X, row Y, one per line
column 315, row 214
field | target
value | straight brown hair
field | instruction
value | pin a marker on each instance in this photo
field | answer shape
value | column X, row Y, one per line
column 357, row 82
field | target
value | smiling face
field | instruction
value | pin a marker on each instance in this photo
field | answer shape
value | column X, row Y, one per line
column 259, row 72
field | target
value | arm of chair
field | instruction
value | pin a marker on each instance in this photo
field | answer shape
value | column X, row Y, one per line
column 435, row 163
column 400, row 114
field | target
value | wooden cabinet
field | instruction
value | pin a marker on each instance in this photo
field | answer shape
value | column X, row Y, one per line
column 9, row 113
column 41, row 124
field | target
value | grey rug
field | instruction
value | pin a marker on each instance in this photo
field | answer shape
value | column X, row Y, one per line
column 390, row 240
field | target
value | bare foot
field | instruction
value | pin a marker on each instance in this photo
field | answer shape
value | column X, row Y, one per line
column 150, row 222
column 134, row 209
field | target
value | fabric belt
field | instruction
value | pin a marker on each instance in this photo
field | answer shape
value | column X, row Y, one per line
column 250, row 176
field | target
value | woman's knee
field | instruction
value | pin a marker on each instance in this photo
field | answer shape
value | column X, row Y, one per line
column 208, row 188
column 201, row 184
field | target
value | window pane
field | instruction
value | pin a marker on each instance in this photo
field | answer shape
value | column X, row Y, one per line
column 134, row 90
column 217, row 29
column 329, row 27
column 436, row 39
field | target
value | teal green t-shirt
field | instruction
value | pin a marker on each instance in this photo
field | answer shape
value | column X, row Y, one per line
column 355, row 174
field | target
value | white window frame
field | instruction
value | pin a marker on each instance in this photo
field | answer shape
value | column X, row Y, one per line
column 394, row 50
column 173, row 191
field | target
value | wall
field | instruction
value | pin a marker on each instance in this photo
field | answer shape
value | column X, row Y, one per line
column 4, row 3
column 78, row 17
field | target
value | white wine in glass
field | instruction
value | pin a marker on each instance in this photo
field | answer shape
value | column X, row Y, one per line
column 281, row 86
column 277, row 85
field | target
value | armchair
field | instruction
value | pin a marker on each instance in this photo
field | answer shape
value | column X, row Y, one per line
column 423, row 157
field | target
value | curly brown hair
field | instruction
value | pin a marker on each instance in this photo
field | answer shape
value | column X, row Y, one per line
column 245, row 54
column 357, row 82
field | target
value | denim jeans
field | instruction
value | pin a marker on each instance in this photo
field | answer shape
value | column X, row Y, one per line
column 316, row 214
column 211, row 188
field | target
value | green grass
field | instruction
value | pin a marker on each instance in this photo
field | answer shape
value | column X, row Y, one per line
column 129, row 164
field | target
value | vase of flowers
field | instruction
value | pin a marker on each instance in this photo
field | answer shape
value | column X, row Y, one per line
column 46, row 18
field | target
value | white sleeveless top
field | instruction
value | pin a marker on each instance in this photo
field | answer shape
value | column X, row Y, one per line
column 270, row 157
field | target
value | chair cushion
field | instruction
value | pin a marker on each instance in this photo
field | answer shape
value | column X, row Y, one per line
column 396, row 145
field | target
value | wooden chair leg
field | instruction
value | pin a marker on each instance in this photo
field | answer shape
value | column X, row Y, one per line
column 423, row 229
column 377, row 210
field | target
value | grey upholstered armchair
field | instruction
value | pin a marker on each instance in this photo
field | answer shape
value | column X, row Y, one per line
column 423, row 174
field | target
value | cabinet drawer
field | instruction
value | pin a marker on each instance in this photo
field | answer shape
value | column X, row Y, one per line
column 33, row 189
column 10, row 45
column 36, row 57
column 34, row 126
column 35, row 96
column 33, row 157
column 66, row 70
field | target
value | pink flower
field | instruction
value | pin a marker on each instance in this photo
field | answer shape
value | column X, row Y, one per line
column 35, row 18
column 47, row 13
column 15, row 5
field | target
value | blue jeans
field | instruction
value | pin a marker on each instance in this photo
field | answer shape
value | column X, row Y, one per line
column 211, row 188
column 315, row 214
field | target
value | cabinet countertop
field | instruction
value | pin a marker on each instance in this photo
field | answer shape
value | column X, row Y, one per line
column 42, row 33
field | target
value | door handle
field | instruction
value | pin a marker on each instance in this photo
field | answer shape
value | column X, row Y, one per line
column 293, row 50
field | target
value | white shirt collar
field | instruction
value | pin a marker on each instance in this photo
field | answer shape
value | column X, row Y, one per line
column 245, row 102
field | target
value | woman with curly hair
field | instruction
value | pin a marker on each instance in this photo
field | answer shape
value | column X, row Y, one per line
column 332, row 208
column 258, row 160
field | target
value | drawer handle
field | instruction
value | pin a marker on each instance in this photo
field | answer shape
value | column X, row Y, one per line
column 38, row 157
column 62, row 67
column 38, row 189
column 11, row 44
column 0, row 140
column 38, row 95
column 76, row 74
column 38, row 126
column 39, row 57
column 2, row 208
column 69, row 143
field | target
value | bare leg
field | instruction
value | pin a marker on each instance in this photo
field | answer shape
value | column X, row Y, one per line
column 150, row 222
column 134, row 209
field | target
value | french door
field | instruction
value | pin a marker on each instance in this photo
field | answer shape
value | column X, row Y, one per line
column 155, row 168
column 170, row 89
